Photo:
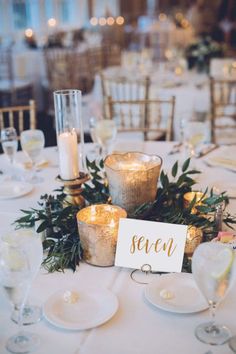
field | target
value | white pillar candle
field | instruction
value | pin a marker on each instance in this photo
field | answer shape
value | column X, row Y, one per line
column 68, row 155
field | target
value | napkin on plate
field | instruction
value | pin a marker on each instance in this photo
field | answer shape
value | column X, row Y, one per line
column 224, row 156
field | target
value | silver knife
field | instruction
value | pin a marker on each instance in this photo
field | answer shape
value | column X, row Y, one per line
column 206, row 151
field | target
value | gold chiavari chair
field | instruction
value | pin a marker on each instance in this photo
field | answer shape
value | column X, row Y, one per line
column 122, row 88
column 68, row 68
column 82, row 73
column 12, row 92
column 111, row 55
column 152, row 117
column 19, row 117
column 6, row 66
column 223, row 110
column 95, row 58
column 58, row 65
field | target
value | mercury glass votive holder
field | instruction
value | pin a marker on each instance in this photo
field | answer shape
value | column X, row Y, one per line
column 188, row 198
column 98, row 230
column 193, row 239
column 132, row 178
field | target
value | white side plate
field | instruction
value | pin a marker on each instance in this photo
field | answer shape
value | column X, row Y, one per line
column 93, row 308
column 186, row 296
column 11, row 190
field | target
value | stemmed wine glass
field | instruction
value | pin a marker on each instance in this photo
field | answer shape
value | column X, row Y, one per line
column 195, row 135
column 32, row 143
column 105, row 131
column 97, row 149
column 21, row 255
column 9, row 144
column 232, row 344
column 213, row 267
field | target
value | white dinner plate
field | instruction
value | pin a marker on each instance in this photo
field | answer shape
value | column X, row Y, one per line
column 11, row 190
column 93, row 308
column 186, row 296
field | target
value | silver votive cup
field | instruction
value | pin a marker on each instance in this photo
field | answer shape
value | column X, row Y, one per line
column 98, row 230
column 132, row 178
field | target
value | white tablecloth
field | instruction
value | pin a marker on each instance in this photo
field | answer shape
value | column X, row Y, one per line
column 137, row 327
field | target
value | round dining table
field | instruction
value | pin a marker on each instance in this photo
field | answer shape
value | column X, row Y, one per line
column 137, row 327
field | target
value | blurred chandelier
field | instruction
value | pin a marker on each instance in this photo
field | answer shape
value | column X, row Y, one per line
column 107, row 20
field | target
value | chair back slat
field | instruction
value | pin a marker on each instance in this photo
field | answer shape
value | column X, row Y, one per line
column 1, row 120
column 21, row 121
column 11, row 119
column 32, row 111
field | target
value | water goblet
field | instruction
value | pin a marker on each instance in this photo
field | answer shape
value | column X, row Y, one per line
column 9, row 144
column 195, row 135
column 97, row 149
column 20, row 256
column 105, row 131
column 213, row 267
column 32, row 143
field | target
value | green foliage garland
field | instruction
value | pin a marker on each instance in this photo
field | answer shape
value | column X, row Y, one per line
column 56, row 218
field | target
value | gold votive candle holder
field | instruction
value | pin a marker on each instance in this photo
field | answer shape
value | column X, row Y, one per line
column 132, row 178
column 188, row 198
column 98, row 230
column 193, row 239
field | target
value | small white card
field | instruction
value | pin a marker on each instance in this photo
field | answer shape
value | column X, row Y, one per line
column 160, row 245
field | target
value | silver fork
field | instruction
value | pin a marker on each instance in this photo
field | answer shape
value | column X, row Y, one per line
column 175, row 149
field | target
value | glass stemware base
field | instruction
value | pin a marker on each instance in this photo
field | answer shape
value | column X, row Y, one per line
column 32, row 177
column 30, row 315
column 213, row 334
column 23, row 342
column 232, row 344
column 36, row 179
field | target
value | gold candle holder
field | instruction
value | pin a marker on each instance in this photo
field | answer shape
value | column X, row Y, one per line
column 188, row 198
column 194, row 238
column 132, row 178
column 73, row 189
column 98, row 230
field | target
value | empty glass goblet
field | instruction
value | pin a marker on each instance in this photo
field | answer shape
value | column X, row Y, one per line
column 97, row 148
column 213, row 267
column 20, row 256
column 9, row 144
column 32, row 143
column 232, row 344
column 195, row 136
column 105, row 131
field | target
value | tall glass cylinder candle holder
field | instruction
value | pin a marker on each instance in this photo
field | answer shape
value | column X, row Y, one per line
column 69, row 127
column 132, row 178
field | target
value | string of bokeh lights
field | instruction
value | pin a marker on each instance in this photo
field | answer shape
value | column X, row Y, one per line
column 107, row 21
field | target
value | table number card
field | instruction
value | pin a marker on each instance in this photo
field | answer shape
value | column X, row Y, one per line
column 160, row 245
